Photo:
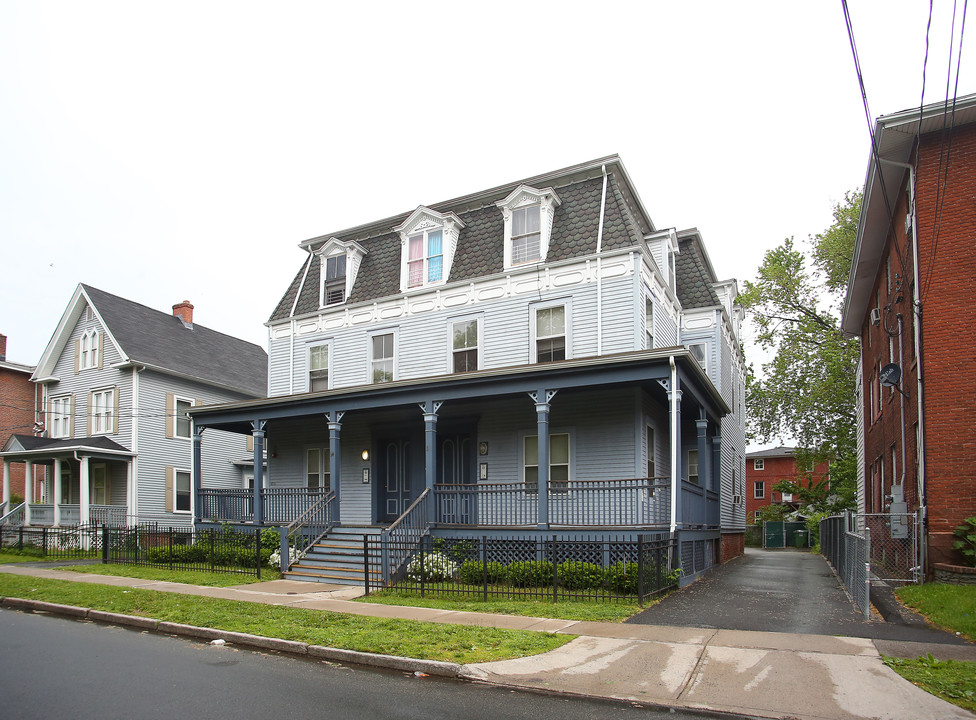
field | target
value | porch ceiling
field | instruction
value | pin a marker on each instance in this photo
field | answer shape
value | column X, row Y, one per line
column 642, row 368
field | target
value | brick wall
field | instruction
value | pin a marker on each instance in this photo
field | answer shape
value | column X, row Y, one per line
column 774, row 470
column 16, row 416
column 733, row 545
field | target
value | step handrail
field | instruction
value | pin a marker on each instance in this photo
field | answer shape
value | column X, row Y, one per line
column 403, row 537
column 319, row 517
column 19, row 509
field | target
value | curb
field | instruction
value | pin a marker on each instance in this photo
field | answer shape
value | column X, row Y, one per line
column 290, row 647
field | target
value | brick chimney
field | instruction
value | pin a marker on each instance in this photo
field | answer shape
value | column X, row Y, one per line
column 3, row 347
column 184, row 311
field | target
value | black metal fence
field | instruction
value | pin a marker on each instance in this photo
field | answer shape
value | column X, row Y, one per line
column 554, row 568
column 223, row 549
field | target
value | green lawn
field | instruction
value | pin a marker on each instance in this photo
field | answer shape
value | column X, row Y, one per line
column 585, row 611
column 952, row 607
column 408, row 638
column 190, row 577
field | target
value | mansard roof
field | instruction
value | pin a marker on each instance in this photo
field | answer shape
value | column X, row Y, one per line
column 160, row 340
column 480, row 250
column 693, row 273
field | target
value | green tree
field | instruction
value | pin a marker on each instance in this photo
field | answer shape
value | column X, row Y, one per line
column 806, row 389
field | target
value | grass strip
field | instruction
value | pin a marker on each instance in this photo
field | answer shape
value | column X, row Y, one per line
column 190, row 577
column 407, row 638
column 952, row 680
column 566, row 610
column 952, row 607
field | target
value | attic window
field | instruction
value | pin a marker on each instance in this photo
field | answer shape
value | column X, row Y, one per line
column 340, row 261
column 527, row 214
column 425, row 258
column 428, row 240
column 335, row 279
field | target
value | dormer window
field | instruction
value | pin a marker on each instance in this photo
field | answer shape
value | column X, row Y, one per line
column 428, row 240
column 340, row 263
column 528, row 215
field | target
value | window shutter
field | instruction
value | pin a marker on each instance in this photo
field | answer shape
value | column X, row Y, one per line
column 115, row 412
column 71, row 416
column 170, row 482
column 170, row 415
column 77, row 356
column 250, row 443
column 100, row 338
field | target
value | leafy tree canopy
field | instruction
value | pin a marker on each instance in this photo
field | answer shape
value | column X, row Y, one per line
column 806, row 390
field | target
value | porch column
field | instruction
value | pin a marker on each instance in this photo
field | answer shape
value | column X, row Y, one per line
column 674, row 400
column 28, row 490
column 197, row 469
column 335, row 452
column 704, row 461
column 430, row 408
column 84, row 492
column 717, row 464
column 258, row 434
column 57, row 492
column 6, row 482
column 542, row 407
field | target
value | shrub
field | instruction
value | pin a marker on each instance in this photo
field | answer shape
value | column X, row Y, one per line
column 431, row 567
column 966, row 540
column 579, row 575
column 622, row 578
column 531, row 573
column 473, row 572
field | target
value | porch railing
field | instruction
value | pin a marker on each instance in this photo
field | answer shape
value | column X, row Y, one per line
column 634, row 502
column 306, row 530
column 281, row 505
column 698, row 506
column 403, row 537
column 15, row 517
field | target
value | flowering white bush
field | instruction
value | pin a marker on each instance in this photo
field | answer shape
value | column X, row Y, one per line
column 275, row 559
column 436, row 566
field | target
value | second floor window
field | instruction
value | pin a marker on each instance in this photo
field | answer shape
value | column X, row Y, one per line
column 525, row 235
column 318, row 368
column 759, row 491
column 335, row 279
column 103, row 412
column 381, row 358
column 550, row 333
column 649, row 323
column 425, row 258
column 464, row 345
column 59, row 420
column 182, row 418
column 759, row 464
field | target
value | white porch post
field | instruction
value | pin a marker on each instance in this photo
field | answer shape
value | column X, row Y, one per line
column 130, row 495
column 57, row 493
column 28, row 490
column 83, row 502
column 6, row 482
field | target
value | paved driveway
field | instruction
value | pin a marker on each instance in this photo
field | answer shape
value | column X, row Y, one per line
column 777, row 591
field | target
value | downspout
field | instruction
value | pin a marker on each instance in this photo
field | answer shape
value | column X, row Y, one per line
column 675, row 480
column 599, row 266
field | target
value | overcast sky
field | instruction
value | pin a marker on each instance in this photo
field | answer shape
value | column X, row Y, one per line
column 182, row 150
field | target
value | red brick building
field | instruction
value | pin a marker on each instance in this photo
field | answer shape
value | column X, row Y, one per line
column 765, row 468
column 16, row 407
column 912, row 280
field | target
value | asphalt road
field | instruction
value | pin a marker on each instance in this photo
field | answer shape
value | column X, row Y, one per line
column 777, row 591
column 53, row 667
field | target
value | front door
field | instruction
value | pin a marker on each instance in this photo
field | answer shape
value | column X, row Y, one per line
column 455, row 471
column 393, row 473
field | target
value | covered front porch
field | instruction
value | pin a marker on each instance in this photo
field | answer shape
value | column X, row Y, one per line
column 69, row 482
column 626, row 442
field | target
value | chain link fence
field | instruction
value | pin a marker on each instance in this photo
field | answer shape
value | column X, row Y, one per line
column 847, row 551
column 895, row 552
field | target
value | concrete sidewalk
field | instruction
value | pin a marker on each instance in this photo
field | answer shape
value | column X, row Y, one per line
column 758, row 674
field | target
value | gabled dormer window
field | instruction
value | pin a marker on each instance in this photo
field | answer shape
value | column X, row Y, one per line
column 428, row 240
column 340, row 263
column 528, row 215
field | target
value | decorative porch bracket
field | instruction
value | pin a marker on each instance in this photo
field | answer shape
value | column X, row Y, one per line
column 542, row 398
column 197, row 469
column 257, row 432
column 430, row 409
column 335, row 448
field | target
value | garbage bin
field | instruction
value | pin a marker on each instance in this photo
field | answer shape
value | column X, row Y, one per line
column 802, row 538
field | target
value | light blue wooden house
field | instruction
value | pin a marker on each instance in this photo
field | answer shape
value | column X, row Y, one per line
column 538, row 357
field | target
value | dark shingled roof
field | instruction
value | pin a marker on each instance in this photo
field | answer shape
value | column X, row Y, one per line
column 161, row 340
column 694, row 281
column 98, row 442
column 480, row 250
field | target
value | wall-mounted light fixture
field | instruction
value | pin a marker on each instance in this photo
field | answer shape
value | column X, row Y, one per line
column 365, row 455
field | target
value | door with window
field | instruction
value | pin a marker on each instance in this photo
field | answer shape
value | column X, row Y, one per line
column 394, row 460
column 456, row 472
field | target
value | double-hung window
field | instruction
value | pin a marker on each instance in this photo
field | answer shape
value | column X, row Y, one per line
column 317, row 471
column 759, row 489
column 759, row 464
column 318, row 368
column 182, row 490
column 559, row 458
column 700, row 352
column 59, row 419
column 182, row 418
column 464, row 345
column 89, row 350
column 425, row 258
column 381, row 359
column 335, row 279
column 649, row 323
column 550, row 333
column 102, row 412
column 526, row 235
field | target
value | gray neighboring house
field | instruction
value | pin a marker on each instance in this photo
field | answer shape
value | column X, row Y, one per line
column 118, row 379
column 536, row 358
